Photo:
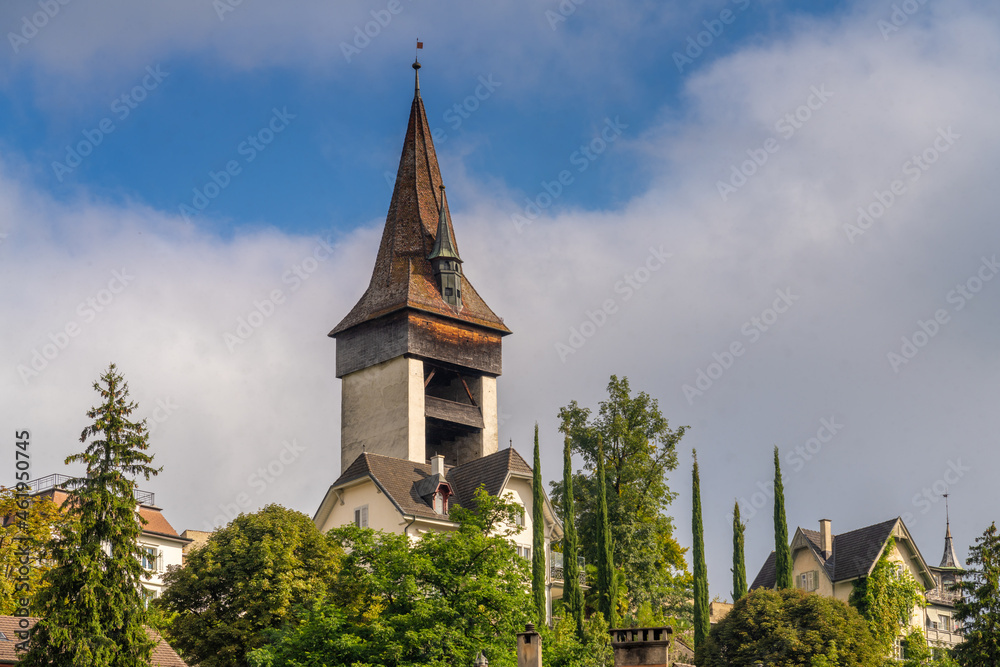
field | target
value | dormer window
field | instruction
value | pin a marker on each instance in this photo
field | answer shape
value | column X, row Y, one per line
column 439, row 502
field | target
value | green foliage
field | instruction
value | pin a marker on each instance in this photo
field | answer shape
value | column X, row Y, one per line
column 782, row 549
column 92, row 611
column 437, row 601
column 28, row 529
column 562, row 647
column 916, row 653
column 702, row 620
column 538, row 538
column 979, row 608
column 790, row 628
column 639, row 450
column 572, row 592
column 739, row 561
column 246, row 580
column 886, row 599
column 607, row 580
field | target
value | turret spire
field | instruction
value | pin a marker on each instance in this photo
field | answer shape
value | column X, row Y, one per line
column 949, row 559
column 445, row 260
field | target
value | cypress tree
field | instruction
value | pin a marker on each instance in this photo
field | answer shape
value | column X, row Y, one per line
column 782, row 550
column 572, row 593
column 607, row 584
column 739, row 563
column 93, row 614
column 701, row 616
column 538, row 537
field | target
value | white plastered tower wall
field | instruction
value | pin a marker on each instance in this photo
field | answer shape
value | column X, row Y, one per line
column 382, row 411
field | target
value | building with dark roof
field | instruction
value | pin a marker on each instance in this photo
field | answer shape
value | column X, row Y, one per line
column 419, row 356
column 830, row 565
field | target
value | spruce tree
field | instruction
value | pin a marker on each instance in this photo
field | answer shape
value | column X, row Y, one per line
column 538, row 537
column 572, row 593
column 92, row 610
column 607, row 584
column 782, row 550
column 739, row 563
column 701, row 616
column 979, row 607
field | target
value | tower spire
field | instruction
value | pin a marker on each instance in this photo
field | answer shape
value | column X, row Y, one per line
column 949, row 559
column 416, row 69
column 444, row 259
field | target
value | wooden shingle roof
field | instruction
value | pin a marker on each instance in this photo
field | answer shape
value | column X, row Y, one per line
column 403, row 276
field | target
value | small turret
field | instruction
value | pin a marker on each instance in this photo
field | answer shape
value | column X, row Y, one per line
column 446, row 263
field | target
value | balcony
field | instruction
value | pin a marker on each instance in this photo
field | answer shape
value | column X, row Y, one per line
column 556, row 569
column 64, row 483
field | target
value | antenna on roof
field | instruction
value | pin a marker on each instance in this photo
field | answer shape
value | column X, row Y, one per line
column 511, row 446
column 947, row 519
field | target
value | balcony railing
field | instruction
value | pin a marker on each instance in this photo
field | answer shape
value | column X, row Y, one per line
column 556, row 570
column 64, row 483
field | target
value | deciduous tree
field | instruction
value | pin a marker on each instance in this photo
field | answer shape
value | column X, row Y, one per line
column 436, row 601
column 247, row 580
column 639, row 450
column 789, row 628
column 28, row 525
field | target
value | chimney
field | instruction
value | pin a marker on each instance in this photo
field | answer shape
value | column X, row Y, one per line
column 437, row 465
column 529, row 647
column 825, row 537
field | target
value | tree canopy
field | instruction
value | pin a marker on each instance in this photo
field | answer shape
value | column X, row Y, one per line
column 248, row 579
column 25, row 528
column 789, row 628
column 434, row 601
column 92, row 611
column 639, row 450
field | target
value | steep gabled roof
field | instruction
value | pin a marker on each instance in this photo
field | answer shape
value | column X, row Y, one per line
column 854, row 553
column 400, row 479
column 403, row 277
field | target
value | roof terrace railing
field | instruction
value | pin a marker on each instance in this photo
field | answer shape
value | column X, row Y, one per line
column 64, row 483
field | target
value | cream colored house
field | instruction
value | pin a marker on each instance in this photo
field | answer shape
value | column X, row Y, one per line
column 419, row 356
column 829, row 565
column 159, row 543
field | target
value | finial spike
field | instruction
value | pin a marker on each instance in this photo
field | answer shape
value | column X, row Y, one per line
column 416, row 67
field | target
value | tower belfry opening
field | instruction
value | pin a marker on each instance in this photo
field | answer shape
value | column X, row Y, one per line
column 420, row 352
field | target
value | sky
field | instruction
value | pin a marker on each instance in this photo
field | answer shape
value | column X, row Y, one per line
column 778, row 219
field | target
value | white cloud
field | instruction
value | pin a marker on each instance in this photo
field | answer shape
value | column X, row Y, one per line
column 825, row 357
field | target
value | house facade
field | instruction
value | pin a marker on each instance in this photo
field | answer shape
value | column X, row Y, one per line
column 830, row 565
column 159, row 543
column 419, row 356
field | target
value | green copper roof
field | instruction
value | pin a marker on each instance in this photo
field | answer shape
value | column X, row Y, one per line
column 444, row 244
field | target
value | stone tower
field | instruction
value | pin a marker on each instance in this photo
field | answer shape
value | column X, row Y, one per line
column 420, row 352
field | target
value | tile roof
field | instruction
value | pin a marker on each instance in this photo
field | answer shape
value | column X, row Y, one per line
column 401, row 479
column 854, row 553
column 403, row 277
column 163, row 654
column 156, row 523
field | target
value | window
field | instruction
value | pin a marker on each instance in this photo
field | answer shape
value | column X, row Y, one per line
column 524, row 552
column 361, row 516
column 945, row 622
column 150, row 558
column 148, row 596
column 519, row 519
column 439, row 502
column 447, row 291
column 808, row 581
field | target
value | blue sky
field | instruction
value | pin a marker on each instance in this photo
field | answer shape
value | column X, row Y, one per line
column 795, row 229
